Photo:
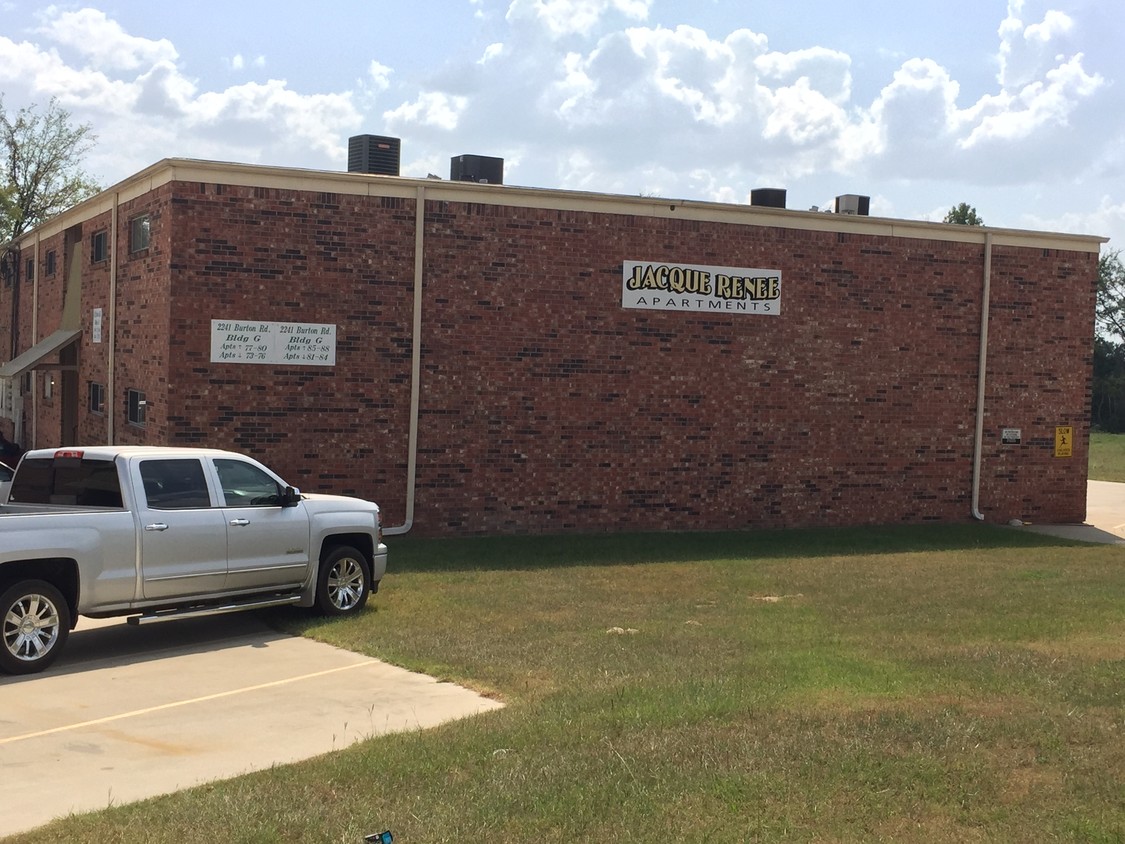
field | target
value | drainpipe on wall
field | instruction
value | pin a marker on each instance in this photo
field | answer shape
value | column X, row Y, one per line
column 34, row 392
column 415, row 367
column 12, row 257
column 982, row 371
column 110, row 330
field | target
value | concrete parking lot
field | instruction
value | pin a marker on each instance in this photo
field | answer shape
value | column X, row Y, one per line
column 132, row 712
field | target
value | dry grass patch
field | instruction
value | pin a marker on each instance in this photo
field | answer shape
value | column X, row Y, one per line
column 945, row 684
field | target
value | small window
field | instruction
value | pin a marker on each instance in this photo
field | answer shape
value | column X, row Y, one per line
column 30, row 274
column 139, row 233
column 51, row 262
column 137, row 408
column 48, row 385
column 245, row 485
column 99, row 247
column 97, row 398
column 175, row 484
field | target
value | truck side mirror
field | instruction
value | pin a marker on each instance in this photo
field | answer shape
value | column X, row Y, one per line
column 291, row 497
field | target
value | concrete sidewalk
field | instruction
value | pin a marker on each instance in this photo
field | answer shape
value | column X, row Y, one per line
column 1105, row 516
column 132, row 712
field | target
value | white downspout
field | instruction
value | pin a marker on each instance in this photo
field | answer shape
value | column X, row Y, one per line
column 111, row 330
column 415, row 366
column 982, row 371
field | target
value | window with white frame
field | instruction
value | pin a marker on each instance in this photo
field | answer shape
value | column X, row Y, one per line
column 139, row 229
column 97, row 398
column 136, row 408
column 99, row 247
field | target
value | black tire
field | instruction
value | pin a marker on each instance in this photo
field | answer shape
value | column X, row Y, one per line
column 34, row 626
column 343, row 582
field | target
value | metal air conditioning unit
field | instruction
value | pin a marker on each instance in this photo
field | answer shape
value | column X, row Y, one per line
column 376, row 154
column 852, row 203
column 483, row 169
column 768, row 197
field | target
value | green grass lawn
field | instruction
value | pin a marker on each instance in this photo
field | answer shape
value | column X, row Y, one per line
column 1107, row 457
column 909, row 684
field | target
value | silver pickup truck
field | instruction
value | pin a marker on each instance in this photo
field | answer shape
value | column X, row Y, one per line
column 153, row 532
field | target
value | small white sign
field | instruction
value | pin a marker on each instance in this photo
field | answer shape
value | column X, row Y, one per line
column 96, row 328
column 1010, row 436
column 273, row 343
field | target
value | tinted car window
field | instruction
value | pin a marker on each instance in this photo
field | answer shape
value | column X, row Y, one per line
column 86, row 483
column 247, row 486
column 6, row 472
column 177, row 484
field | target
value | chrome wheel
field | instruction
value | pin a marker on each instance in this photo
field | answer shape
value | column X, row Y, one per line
column 34, row 625
column 346, row 583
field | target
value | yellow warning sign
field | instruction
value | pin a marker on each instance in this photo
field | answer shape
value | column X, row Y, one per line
column 1064, row 437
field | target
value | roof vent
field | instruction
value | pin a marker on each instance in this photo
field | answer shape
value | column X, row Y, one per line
column 374, row 154
column 768, row 197
column 852, row 203
column 477, row 168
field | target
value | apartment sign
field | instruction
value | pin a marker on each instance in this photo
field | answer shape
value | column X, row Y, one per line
column 698, row 288
column 277, row 343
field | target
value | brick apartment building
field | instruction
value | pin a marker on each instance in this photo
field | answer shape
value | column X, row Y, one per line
column 485, row 358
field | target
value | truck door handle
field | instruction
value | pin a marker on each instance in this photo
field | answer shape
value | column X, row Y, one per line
column 239, row 522
column 157, row 526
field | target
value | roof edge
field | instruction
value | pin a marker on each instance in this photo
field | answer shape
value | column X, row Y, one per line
column 363, row 184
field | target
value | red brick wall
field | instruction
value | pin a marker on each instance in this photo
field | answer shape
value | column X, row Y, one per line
column 277, row 255
column 1040, row 375
column 546, row 406
column 556, row 408
column 143, row 319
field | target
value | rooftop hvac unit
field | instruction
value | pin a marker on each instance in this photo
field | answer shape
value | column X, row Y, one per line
column 768, row 197
column 374, row 154
column 852, row 203
column 477, row 168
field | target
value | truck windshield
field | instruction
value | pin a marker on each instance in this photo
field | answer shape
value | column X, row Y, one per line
column 82, row 483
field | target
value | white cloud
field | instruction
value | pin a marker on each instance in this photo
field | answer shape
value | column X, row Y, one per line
column 380, row 75
column 1025, row 50
column 829, row 71
column 431, row 108
column 1107, row 218
column 492, row 51
column 1037, row 105
column 39, row 75
column 1054, row 24
column 102, row 41
column 238, row 62
column 144, row 108
column 585, row 94
column 574, row 17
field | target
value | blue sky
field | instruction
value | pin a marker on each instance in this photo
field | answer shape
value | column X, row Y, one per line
column 1014, row 106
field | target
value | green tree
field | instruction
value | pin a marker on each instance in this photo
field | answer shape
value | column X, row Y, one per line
column 1110, row 309
column 40, row 168
column 963, row 215
column 1107, row 410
